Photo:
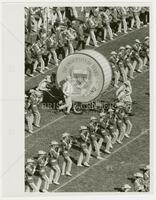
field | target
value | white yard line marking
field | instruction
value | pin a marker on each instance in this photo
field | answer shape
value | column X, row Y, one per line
column 100, row 161
column 40, row 74
column 52, row 122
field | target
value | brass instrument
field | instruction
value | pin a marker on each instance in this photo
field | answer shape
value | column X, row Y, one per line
column 33, row 167
column 58, row 148
column 87, row 137
column 69, row 142
column 70, row 34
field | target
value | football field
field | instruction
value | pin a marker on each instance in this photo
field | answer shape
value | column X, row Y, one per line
column 116, row 169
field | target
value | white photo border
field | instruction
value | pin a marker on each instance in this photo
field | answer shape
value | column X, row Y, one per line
column 12, row 100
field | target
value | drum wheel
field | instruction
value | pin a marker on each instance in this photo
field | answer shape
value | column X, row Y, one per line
column 77, row 108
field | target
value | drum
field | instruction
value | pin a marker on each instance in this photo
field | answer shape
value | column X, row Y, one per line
column 90, row 73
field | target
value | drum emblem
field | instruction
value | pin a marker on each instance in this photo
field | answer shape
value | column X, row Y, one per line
column 90, row 74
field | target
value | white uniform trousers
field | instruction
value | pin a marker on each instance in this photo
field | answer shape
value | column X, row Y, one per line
column 43, row 180
column 54, row 173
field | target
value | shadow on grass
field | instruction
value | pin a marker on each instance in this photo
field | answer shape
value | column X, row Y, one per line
column 131, row 179
column 118, row 189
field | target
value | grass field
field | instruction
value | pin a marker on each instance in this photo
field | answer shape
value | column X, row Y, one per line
column 126, row 159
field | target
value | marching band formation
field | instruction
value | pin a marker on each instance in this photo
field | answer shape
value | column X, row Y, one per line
column 53, row 31
column 101, row 133
column 124, row 63
column 111, row 127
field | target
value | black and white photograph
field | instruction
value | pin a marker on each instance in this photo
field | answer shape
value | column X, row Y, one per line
column 87, row 98
column 77, row 100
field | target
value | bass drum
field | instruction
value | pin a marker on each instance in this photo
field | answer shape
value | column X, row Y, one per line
column 90, row 73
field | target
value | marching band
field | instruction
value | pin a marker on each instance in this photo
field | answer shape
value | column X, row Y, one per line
column 113, row 124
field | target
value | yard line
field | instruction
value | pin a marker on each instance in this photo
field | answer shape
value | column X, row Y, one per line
column 52, row 122
column 40, row 74
column 100, row 161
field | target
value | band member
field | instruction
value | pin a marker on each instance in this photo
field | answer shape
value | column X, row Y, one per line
column 128, row 124
column 113, row 61
column 136, row 13
column 84, row 154
column 99, row 27
column 29, row 116
column 123, row 13
column 102, row 128
column 121, row 63
column 37, row 53
column 104, row 132
column 123, row 94
column 143, row 17
column 129, row 69
column 45, row 54
column 34, row 106
column 28, row 60
column 139, row 182
column 90, row 21
column 146, row 175
column 67, row 91
column 53, row 161
column 120, row 124
column 51, row 47
column 144, row 51
column 69, row 35
column 30, row 169
column 114, row 24
column 60, row 40
column 105, row 15
column 93, row 127
column 42, row 161
column 136, row 56
column 81, row 35
column 146, row 172
column 112, row 126
column 66, row 144
column 130, row 18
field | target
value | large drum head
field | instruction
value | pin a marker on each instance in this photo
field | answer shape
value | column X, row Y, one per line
column 90, row 72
